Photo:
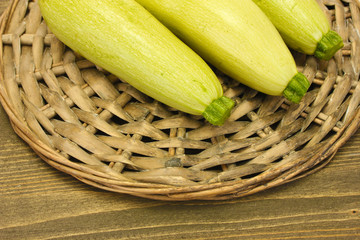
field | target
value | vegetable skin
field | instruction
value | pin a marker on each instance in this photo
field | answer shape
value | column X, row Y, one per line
column 303, row 25
column 126, row 40
column 234, row 36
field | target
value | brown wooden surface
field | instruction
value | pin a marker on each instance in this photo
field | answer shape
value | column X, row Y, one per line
column 39, row 202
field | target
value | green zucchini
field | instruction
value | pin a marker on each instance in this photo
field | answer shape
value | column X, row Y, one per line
column 236, row 37
column 303, row 25
column 126, row 40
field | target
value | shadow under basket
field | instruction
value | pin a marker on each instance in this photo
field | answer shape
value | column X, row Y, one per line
column 88, row 123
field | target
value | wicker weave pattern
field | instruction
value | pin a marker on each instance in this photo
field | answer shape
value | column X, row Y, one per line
column 88, row 123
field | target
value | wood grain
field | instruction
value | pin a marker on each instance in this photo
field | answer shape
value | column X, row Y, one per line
column 39, row 202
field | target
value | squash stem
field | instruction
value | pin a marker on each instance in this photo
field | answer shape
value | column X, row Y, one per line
column 219, row 110
column 296, row 88
column 328, row 45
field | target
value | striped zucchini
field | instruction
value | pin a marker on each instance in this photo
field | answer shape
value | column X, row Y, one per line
column 126, row 40
column 303, row 25
column 236, row 37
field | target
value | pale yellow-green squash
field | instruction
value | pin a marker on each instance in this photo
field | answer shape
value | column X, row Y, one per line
column 126, row 40
column 303, row 25
column 236, row 37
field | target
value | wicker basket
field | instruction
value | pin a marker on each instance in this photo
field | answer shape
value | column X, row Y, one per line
column 86, row 122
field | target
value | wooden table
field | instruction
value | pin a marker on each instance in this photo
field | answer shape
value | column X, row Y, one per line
column 39, row 202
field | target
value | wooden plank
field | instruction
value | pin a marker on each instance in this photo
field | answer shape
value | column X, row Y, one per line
column 255, row 219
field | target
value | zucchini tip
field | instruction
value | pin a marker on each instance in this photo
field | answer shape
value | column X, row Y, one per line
column 219, row 110
column 328, row 45
column 296, row 88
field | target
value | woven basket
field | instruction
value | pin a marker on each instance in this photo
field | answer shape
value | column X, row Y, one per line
column 88, row 123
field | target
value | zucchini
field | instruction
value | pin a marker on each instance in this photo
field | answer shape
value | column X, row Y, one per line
column 303, row 25
column 123, row 38
column 236, row 37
